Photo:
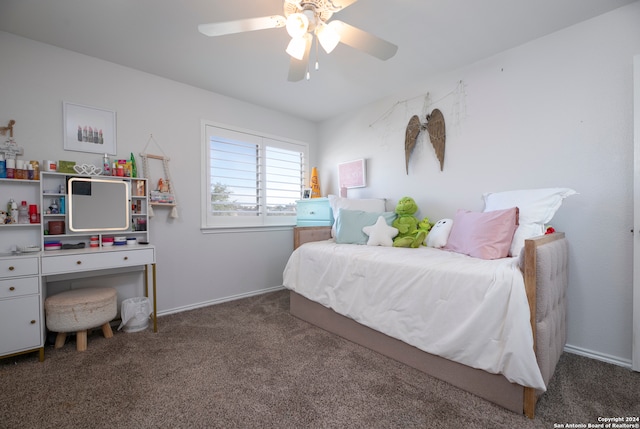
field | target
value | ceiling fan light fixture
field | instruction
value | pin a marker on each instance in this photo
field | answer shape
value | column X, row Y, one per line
column 297, row 46
column 328, row 37
column 303, row 19
column 297, row 25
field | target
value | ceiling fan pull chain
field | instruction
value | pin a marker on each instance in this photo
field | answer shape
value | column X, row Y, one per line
column 317, row 62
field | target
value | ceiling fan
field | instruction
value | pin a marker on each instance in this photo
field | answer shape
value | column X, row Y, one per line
column 303, row 19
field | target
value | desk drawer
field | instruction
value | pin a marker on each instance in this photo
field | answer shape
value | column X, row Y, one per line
column 61, row 264
column 15, row 267
column 17, row 287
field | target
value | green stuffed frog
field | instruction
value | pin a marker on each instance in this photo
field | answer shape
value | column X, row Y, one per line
column 409, row 235
column 425, row 225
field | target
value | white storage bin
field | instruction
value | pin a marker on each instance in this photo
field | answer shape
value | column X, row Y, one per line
column 135, row 314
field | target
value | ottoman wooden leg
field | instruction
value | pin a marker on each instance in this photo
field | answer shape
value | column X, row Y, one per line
column 81, row 340
column 106, row 330
column 60, row 339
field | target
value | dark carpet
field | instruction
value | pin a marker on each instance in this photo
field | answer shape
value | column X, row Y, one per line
column 249, row 364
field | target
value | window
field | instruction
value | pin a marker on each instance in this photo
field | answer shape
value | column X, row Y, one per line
column 250, row 180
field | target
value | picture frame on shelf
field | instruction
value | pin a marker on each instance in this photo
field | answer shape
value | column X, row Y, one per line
column 306, row 193
column 89, row 129
column 352, row 174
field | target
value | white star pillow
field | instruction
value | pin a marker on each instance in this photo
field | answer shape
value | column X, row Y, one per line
column 380, row 234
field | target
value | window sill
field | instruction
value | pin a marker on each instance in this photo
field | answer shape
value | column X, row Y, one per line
column 245, row 229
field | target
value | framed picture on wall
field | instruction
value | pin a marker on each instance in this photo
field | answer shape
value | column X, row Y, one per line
column 352, row 174
column 89, row 129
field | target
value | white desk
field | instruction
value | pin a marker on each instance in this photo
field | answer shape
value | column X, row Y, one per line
column 22, row 318
column 89, row 262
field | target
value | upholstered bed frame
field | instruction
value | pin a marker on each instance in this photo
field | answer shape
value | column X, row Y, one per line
column 544, row 265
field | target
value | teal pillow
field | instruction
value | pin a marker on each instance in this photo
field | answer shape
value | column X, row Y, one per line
column 349, row 225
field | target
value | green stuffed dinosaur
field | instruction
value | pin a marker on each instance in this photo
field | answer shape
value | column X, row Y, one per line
column 409, row 235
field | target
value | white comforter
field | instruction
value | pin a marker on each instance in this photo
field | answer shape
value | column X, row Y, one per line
column 468, row 310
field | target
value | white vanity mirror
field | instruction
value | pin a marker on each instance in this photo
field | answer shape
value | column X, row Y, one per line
column 96, row 204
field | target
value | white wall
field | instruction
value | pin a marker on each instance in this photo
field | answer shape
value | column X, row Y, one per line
column 556, row 112
column 193, row 268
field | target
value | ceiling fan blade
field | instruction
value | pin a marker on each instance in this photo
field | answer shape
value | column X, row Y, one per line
column 298, row 68
column 341, row 4
column 242, row 25
column 363, row 41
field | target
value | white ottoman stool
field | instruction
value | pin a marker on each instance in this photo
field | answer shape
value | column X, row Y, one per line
column 79, row 310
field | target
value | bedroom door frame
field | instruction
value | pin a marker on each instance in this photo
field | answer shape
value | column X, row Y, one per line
column 635, row 350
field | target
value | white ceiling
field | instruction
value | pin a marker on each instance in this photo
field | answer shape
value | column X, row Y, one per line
column 161, row 37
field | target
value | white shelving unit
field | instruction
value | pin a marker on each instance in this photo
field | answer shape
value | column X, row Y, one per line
column 21, row 322
column 14, row 236
column 54, row 189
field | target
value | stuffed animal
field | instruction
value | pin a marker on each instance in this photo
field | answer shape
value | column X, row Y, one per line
column 439, row 234
column 425, row 225
column 407, row 224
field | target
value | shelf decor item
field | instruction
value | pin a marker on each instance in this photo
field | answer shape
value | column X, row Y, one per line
column 67, row 167
column 437, row 134
column 89, row 129
column 9, row 149
column 315, row 184
column 163, row 195
column 85, row 169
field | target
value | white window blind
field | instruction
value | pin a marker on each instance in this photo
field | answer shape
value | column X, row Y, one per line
column 251, row 180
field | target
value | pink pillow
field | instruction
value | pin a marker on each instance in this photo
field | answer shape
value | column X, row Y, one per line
column 486, row 235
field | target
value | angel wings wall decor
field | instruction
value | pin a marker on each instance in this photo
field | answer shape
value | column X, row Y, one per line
column 437, row 135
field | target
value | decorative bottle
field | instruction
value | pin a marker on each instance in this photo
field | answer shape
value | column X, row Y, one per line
column 106, row 165
column 3, row 167
column 23, row 213
column 14, row 212
column 36, row 169
column 134, row 170
column 10, row 165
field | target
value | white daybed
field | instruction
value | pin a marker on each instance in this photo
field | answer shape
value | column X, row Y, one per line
column 495, row 328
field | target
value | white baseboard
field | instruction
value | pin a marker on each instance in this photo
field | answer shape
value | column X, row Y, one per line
column 219, row 301
column 626, row 363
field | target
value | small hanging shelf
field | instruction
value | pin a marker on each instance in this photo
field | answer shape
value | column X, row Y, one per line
column 9, row 148
column 162, row 195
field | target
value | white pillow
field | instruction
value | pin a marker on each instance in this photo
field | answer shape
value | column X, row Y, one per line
column 363, row 204
column 380, row 233
column 439, row 233
column 536, row 208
